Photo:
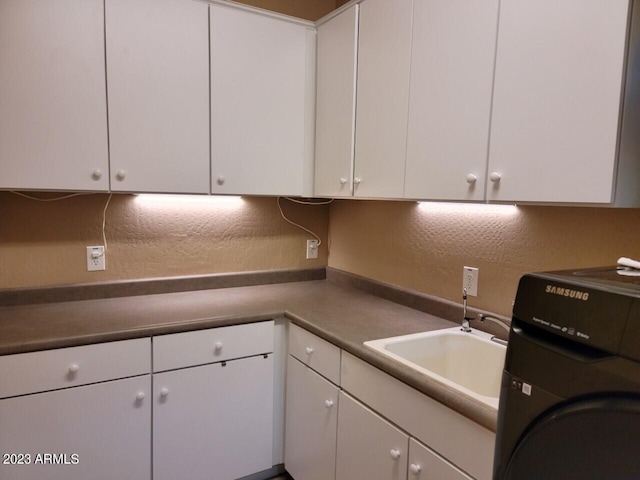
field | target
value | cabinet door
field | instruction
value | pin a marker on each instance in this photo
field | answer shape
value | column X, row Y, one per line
column 106, row 426
column 335, row 106
column 214, row 421
column 311, row 424
column 384, row 54
column 368, row 446
column 258, row 92
column 452, row 62
column 557, row 96
column 158, row 81
column 424, row 464
column 53, row 110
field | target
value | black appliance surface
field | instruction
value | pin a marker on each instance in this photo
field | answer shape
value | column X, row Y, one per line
column 570, row 396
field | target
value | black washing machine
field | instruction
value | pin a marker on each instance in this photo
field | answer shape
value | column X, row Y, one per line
column 570, row 397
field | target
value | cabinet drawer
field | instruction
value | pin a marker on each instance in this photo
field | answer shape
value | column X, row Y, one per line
column 315, row 352
column 187, row 349
column 67, row 367
column 425, row 463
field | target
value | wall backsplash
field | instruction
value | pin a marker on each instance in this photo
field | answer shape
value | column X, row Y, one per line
column 307, row 9
column 424, row 246
column 151, row 236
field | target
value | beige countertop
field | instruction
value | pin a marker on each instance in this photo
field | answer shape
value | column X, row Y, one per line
column 342, row 315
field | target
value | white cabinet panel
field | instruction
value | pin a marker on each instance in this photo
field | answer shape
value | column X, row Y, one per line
column 335, row 108
column 107, row 425
column 158, row 83
column 32, row 372
column 452, row 63
column 446, row 431
column 311, row 424
column 425, row 464
column 213, row 421
column 557, row 97
column 258, row 103
column 369, row 447
column 384, row 54
column 322, row 356
column 53, row 117
column 186, row 349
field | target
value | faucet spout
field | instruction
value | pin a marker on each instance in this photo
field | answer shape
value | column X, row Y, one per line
column 465, row 319
column 482, row 317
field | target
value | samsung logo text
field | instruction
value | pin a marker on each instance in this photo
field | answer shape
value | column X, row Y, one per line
column 567, row 292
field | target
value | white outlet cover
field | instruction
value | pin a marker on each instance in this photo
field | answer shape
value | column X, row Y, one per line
column 470, row 280
column 312, row 249
column 96, row 260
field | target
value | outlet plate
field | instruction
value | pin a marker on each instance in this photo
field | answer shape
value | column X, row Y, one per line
column 470, row 280
column 312, row 249
column 96, row 260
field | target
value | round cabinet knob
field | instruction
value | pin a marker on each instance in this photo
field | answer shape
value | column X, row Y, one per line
column 415, row 469
column 357, row 180
column 395, row 454
column 309, row 350
column 495, row 177
column 121, row 175
column 328, row 403
column 140, row 396
column 218, row 346
column 471, row 179
column 164, row 391
column 220, row 180
column 74, row 368
column 343, row 180
column 97, row 174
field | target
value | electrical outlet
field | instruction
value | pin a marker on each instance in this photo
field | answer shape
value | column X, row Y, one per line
column 96, row 259
column 470, row 280
column 312, row 249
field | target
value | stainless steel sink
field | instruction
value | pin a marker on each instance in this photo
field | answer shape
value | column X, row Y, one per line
column 468, row 362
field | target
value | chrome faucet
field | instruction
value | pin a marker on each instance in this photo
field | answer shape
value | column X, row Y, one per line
column 465, row 319
column 482, row 317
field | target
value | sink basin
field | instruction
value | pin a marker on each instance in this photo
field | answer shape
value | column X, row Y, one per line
column 468, row 362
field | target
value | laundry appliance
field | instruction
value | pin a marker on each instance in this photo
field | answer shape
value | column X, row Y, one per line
column 570, row 395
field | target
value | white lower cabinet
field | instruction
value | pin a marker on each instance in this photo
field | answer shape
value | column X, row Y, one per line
column 369, row 447
column 424, row 464
column 382, row 429
column 213, row 421
column 311, row 423
column 213, row 407
column 96, row 431
column 442, row 429
column 61, row 431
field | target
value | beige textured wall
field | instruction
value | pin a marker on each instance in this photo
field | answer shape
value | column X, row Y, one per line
column 307, row 9
column 44, row 243
column 424, row 247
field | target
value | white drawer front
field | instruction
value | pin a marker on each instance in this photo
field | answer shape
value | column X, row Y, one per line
column 322, row 356
column 179, row 350
column 32, row 372
column 425, row 463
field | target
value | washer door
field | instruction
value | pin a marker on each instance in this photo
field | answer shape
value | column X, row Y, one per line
column 597, row 438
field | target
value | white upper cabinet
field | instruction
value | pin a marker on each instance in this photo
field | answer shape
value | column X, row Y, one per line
column 53, row 119
column 158, row 87
column 262, row 71
column 559, row 73
column 384, row 54
column 335, row 107
column 452, row 62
